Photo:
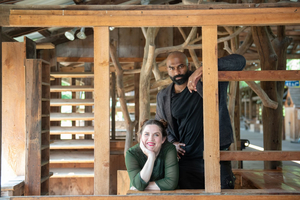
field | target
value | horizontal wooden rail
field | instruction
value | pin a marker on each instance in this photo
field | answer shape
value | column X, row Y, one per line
column 73, row 75
column 71, row 116
column 260, row 155
column 73, row 88
column 71, row 102
column 197, row 194
column 157, row 18
column 266, row 75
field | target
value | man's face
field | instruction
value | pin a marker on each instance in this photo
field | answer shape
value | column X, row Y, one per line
column 177, row 69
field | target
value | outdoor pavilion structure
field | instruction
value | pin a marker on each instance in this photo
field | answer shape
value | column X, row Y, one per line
column 206, row 16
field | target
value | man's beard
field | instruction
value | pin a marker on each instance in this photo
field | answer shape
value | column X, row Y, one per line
column 184, row 78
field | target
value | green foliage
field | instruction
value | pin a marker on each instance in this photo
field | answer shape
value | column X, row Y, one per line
column 293, row 64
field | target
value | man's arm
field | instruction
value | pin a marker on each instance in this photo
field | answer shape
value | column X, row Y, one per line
column 233, row 62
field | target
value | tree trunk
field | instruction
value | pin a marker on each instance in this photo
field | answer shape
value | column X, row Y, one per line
column 272, row 118
column 146, row 74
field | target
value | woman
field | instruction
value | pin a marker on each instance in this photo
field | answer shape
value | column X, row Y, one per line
column 152, row 163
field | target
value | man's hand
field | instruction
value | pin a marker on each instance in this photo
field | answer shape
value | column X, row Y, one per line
column 194, row 78
column 179, row 149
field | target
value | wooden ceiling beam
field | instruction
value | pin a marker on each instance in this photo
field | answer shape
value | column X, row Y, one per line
column 16, row 31
column 157, row 18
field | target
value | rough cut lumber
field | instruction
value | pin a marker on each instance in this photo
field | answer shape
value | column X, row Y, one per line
column 72, row 144
column 45, row 46
column 13, row 102
column 57, row 130
column 71, row 102
column 71, row 116
column 211, row 110
column 260, row 155
column 142, row 18
column 72, row 75
column 101, row 109
column 71, row 88
column 72, row 156
column 197, row 194
column 72, row 172
column 266, row 75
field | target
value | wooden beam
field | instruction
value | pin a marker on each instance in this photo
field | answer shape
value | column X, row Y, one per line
column 101, row 110
column 266, row 75
column 154, row 18
column 260, row 155
column 45, row 46
column 233, row 195
column 0, row 104
column 211, row 110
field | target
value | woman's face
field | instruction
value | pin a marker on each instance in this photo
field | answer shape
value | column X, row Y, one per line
column 152, row 138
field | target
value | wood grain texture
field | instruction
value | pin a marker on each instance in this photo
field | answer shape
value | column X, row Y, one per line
column 157, row 18
column 13, row 109
column 101, row 110
column 211, row 109
column 260, row 155
column 33, row 81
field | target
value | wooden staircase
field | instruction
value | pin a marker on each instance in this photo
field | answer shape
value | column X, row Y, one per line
column 72, row 160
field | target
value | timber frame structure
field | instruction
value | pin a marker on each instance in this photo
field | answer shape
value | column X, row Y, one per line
column 207, row 16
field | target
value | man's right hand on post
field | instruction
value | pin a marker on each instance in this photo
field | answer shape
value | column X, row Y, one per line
column 179, row 149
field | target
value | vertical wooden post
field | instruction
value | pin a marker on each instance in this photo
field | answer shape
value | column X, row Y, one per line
column 211, row 110
column 136, row 98
column 113, row 105
column 88, row 95
column 101, row 111
column 0, row 103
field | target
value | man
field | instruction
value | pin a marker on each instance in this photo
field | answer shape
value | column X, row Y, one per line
column 181, row 105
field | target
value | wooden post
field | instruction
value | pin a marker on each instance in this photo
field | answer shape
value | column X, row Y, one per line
column 88, row 95
column 101, row 111
column 0, row 102
column 211, row 110
column 113, row 105
column 136, row 98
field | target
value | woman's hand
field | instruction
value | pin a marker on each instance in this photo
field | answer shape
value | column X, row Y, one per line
column 194, row 78
column 146, row 151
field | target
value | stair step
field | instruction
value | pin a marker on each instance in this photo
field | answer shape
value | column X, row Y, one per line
column 72, row 172
column 72, row 144
column 72, row 75
column 71, row 116
column 57, row 130
column 71, row 156
column 71, row 102
column 73, row 88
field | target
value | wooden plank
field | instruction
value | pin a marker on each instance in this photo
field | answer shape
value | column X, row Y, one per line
column 66, row 156
column 57, row 130
column 1, row 104
column 266, row 75
column 30, row 48
column 260, row 155
column 33, row 74
column 123, row 182
column 211, row 110
column 13, row 109
column 72, row 75
column 71, row 88
column 71, row 116
column 234, row 195
column 158, row 18
column 71, row 102
column 101, row 110
column 72, row 172
column 45, row 46
column 72, row 144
